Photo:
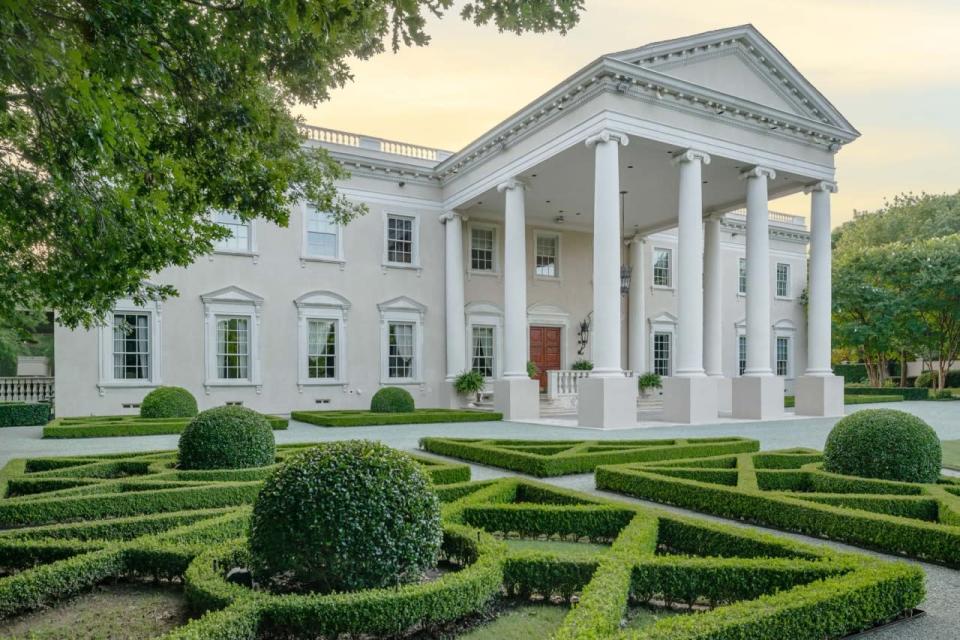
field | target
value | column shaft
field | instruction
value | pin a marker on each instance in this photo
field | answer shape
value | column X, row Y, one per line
column 819, row 307
column 690, row 265
column 514, row 281
column 758, row 273
column 637, row 360
column 712, row 299
column 453, row 281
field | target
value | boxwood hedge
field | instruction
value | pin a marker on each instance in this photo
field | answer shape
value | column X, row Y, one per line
column 24, row 414
column 360, row 418
column 115, row 426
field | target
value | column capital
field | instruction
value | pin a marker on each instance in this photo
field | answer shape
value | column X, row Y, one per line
column 823, row 185
column 758, row 172
column 447, row 216
column 690, row 155
column 511, row 184
column 608, row 135
column 635, row 239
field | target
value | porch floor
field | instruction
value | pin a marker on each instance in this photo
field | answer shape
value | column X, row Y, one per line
column 648, row 420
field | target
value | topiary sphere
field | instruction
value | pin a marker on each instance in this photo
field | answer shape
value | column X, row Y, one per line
column 168, row 402
column 392, row 400
column 345, row 516
column 884, row 443
column 227, row 438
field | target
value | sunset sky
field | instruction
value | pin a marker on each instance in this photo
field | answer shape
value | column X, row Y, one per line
column 891, row 67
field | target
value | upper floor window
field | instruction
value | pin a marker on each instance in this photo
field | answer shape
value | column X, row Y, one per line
column 483, row 249
column 131, row 346
column 547, row 255
column 322, row 234
column 482, row 350
column 742, row 276
column 240, row 238
column 783, row 280
column 401, row 240
column 662, row 267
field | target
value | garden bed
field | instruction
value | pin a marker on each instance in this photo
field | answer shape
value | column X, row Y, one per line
column 362, row 418
column 117, row 426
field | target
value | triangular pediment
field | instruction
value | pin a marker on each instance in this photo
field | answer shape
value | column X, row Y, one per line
column 739, row 62
column 232, row 294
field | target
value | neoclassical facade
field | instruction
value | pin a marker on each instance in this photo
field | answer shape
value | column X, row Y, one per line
column 622, row 217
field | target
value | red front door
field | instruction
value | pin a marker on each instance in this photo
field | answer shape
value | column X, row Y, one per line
column 545, row 351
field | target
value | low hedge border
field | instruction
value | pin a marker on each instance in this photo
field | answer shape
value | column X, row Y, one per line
column 901, row 518
column 579, row 456
column 24, row 414
column 118, row 426
column 362, row 418
column 851, row 398
column 908, row 393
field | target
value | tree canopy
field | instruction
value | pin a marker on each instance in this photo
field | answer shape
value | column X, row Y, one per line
column 124, row 123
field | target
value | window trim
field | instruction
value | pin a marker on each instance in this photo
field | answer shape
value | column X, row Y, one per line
column 236, row 302
column 495, row 270
column 414, row 263
column 776, row 280
column 741, row 276
column 401, row 310
column 305, row 255
column 250, row 251
column 653, row 269
column 537, row 234
column 484, row 314
column 785, row 329
column 106, row 379
column 663, row 323
column 322, row 305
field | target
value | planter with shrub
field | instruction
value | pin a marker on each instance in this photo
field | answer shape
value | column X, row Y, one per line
column 582, row 365
column 469, row 383
column 649, row 384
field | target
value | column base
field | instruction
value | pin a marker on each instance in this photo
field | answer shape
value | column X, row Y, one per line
column 758, row 397
column 819, row 396
column 690, row 400
column 724, row 394
column 607, row 403
column 517, row 398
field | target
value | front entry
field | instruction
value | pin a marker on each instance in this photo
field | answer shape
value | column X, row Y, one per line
column 545, row 351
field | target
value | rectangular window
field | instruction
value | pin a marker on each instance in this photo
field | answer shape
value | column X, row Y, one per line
column 481, row 249
column 482, row 350
column 401, row 348
column 547, row 255
column 661, row 353
column 131, row 346
column 663, row 267
column 233, row 348
column 783, row 280
column 783, row 356
column 321, row 349
column 400, row 239
column 741, row 354
column 742, row 281
column 239, row 239
column 323, row 234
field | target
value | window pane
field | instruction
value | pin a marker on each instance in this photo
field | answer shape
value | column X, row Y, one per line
column 482, row 350
column 741, row 354
column 400, row 362
column 661, row 353
column 742, row 284
column 783, row 280
column 321, row 349
column 662, row 272
column 546, row 256
column 322, row 234
column 481, row 249
column 400, row 239
column 239, row 239
column 233, row 348
column 131, row 346
column 783, row 356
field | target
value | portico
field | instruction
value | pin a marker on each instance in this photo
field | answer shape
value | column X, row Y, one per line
column 636, row 143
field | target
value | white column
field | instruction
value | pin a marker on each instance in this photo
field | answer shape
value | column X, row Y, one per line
column 607, row 398
column 516, row 396
column 690, row 264
column 758, row 394
column 637, row 349
column 712, row 299
column 820, row 292
column 453, row 281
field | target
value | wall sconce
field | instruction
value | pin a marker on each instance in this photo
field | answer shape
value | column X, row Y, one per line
column 583, row 334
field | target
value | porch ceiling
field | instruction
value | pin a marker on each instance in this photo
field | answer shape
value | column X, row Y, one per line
column 561, row 188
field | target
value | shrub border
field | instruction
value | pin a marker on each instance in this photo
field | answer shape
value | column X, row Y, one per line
column 365, row 418
column 117, row 426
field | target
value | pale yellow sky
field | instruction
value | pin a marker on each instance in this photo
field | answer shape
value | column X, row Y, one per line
column 891, row 67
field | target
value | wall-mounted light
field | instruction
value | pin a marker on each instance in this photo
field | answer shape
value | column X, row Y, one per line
column 583, row 334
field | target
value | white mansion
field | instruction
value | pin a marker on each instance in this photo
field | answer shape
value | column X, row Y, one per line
column 621, row 218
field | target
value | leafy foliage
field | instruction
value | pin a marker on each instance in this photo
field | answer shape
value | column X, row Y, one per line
column 469, row 382
column 649, row 380
column 358, row 418
column 168, row 402
column 124, row 426
column 227, row 438
column 392, row 400
column 582, row 365
column 24, row 414
column 344, row 516
column 886, row 444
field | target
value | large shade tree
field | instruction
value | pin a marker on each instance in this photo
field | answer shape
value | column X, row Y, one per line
column 124, row 123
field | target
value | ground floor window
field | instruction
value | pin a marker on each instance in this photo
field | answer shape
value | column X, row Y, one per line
column 482, row 350
column 321, row 349
column 233, row 348
column 783, row 356
column 400, row 362
column 661, row 353
column 741, row 354
column 131, row 346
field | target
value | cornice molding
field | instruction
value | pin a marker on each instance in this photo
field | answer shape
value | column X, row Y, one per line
column 776, row 233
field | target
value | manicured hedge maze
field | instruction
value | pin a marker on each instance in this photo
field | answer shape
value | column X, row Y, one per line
column 141, row 518
column 111, row 426
column 789, row 490
column 545, row 458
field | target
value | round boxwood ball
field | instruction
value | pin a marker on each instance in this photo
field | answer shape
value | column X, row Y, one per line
column 345, row 516
column 884, row 443
column 168, row 402
column 227, row 438
column 392, row 400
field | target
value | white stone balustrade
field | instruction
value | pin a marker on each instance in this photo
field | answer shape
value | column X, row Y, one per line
column 26, row 389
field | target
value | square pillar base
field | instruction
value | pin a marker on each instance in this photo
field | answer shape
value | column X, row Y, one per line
column 819, row 396
column 758, row 397
column 690, row 400
column 517, row 398
column 607, row 403
column 724, row 394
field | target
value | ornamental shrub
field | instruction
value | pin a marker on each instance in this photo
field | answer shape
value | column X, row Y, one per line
column 884, row 443
column 168, row 402
column 347, row 515
column 649, row 380
column 392, row 400
column 582, row 365
column 925, row 379
column 469, row 382
column 227, row 438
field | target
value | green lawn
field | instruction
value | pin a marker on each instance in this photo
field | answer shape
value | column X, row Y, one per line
column 525, row 622
column 951, row 454
column 568, row 549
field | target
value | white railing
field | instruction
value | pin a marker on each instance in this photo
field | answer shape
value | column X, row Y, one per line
column 562, row 383
column 775, row 216
column 332, row 136
column 26, row 389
